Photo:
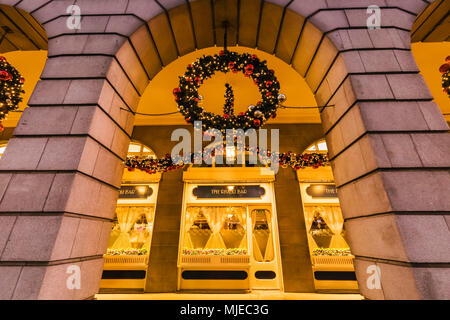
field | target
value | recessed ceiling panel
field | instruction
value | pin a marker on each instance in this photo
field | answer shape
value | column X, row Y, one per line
column 182, row 28
column 163, row 37
column 269, row 26
column 146, row 50
column 289, row 33
column 203, row 23
column 248, row 22
column 226, row 11
column 307, row 45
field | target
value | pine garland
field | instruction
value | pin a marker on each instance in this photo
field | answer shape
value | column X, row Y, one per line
column 11, row 84
column 445, row 70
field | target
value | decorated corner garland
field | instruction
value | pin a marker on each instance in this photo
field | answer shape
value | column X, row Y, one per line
column 187, row 96
column 445, row 70
column 286, row 159
column 11, row 84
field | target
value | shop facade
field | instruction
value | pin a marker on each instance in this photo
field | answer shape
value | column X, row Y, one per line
column 63, row 170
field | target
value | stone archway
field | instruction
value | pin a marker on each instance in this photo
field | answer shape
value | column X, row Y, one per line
column 59, row 200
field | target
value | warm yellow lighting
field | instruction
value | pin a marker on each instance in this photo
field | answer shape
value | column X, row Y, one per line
column 141, row 189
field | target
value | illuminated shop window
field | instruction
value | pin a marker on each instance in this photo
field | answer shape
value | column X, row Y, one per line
column 137, row 149
column 2, row 149
column 132, row 230
column 215, row 231
column 133, row 223
column 319, row 146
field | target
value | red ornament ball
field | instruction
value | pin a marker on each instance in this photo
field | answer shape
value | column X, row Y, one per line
column 256, row 123
column 444, row 68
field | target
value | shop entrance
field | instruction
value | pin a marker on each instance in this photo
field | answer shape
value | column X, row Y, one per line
column 229, row 238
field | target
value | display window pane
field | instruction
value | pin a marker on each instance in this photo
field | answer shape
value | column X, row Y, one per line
column 262, row 235
column 215, row 230
column 131, row 231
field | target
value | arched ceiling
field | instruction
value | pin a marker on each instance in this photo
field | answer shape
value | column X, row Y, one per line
column 158, row 97
column 20, row 31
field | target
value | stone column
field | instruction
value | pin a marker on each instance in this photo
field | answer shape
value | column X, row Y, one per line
column 61, row 172
column 295, row 258
column 390, row 151
column 162, row 270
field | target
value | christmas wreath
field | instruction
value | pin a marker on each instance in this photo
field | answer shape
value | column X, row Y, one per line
column 445, row 70
column 187, row 95
column 11, row 84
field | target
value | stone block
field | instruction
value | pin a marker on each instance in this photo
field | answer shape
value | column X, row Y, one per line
column 92, row 24
column 29, row 283
column 409, row 86
column 329, row 20
column 371, row 87
column 307, row 7
column 104, row 237
column 87, row 238
column 55, row 282
column 364, row 270
column 369, row 190
column 376, row 237
column 146, row 50
column 27, row 192
column 51, row 9
column 40, row 94
column 65, row 238
column 433, row 283
column 306, row 47
column 69, row 153
column 418, row 190
column 123, row 24
column 76, row 67
column 102, row 7
column 321, row 63
column 433, row 148
column 23, row 153
column 130, row 63
column 144, row 9
column 424, row 238
column 67, row 44
column 86, row 91
column 6, row 226
column 103, row 44
column 400, row 150
column 32, row 238
column 8, row 281
column 108, row 168
column 379, row 60
column 433, row 116
column 398, row 282
column 46, row 121
column 392, row 116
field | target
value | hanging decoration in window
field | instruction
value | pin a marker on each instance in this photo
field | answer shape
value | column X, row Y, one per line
column 445, row 70
column 11, row 84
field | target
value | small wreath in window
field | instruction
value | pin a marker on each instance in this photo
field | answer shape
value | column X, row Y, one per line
column 187, row 96
column 11, row 84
